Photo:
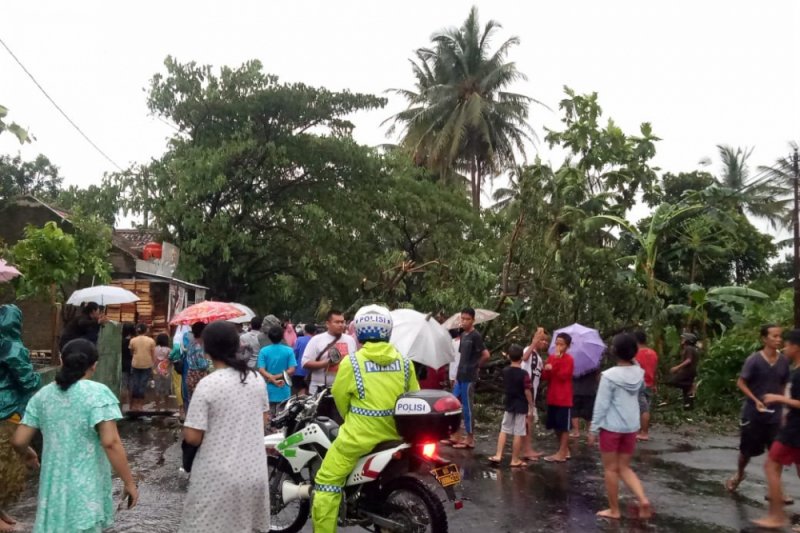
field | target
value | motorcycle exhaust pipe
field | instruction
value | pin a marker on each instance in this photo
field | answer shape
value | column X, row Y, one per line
column 291, row 491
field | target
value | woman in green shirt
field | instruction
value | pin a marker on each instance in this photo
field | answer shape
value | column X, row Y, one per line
column 77, row 418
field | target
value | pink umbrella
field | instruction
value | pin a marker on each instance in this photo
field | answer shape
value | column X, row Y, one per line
column 7, row 272
column 206, row 312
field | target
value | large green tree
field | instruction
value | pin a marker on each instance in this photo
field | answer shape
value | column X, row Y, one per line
column 273, row 203
column 559, row 266
column 461, row 116
column 38, row 177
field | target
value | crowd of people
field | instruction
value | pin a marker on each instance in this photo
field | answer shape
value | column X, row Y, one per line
column 229, row 382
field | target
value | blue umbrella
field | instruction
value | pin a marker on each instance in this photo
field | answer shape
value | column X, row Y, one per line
column 586, row 349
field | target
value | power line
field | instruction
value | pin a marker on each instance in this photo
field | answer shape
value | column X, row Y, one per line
column 101, row 152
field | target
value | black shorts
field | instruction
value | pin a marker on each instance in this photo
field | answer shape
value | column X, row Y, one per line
column 756, row 437
column 299, row 383
column 583, row 407
column 558, row 418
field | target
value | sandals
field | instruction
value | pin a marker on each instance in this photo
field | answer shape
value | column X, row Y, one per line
column 463, row 446
column 551, row 459
column 494, row 460
column 521, row 464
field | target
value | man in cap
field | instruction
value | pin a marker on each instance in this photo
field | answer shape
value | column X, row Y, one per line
column 684, row 373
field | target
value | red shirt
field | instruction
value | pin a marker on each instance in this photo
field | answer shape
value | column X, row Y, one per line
column 559, row 392
column 648, row 360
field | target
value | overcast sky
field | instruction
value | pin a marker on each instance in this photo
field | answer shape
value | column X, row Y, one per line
column 703, row 73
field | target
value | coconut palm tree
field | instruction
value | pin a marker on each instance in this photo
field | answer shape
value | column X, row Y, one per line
column 781, row 176
column 764, row 196
column 460, row 117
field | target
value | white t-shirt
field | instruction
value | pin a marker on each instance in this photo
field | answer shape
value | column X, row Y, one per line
column 454, row 365
column 346, row 345
column 534, row 372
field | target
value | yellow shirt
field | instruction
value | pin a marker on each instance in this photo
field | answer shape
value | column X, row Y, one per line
column 142, row 349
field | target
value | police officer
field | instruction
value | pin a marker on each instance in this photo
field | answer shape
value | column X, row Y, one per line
column 365, row 391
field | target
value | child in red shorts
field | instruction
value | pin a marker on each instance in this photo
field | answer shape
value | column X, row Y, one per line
column 616, row 418
column 785, row 450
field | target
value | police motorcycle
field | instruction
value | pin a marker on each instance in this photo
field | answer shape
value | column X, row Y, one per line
column 387, row 491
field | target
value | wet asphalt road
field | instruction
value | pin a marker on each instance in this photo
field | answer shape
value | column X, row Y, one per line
column 683, row 476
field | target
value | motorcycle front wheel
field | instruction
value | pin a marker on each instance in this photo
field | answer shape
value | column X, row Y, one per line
column 413, row 504
column 290, row 517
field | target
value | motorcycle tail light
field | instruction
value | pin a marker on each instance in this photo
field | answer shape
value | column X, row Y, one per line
column 446, row 404
column 429, row 450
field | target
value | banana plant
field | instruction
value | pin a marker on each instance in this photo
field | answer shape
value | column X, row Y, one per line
column 649, row 240
column 727, row 300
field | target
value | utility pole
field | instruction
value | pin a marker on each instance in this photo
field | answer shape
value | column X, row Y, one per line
column 796, row 224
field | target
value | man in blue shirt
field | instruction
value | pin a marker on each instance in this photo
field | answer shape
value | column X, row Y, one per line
column 273, row 361
column 299, row 385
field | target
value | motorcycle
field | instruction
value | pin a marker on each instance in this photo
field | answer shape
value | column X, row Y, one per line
column 382, row 493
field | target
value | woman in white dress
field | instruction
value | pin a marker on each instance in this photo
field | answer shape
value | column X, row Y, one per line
column 228, row 490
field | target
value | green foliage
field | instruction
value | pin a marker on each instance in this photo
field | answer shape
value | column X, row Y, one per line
column 93, row 244
column 12, row 127
column 560, row 266
column 96, row 200
column 273, row 203
column 39, row 177
column 613, row 162
column 48, row 258
column 720, row 366
column 53, row 261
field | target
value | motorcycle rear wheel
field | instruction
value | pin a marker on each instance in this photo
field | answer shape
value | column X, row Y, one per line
column 415, row 505
column 291, row 517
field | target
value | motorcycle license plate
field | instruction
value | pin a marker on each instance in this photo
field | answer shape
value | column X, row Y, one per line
column 447, row 475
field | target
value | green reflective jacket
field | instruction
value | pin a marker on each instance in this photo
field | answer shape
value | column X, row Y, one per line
column 18, row 379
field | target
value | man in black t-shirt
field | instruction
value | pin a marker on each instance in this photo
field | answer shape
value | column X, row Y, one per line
column 785, row 450
column 764, row 372
column 473, row 355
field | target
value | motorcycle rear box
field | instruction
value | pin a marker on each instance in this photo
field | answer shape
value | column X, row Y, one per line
column 427, row 415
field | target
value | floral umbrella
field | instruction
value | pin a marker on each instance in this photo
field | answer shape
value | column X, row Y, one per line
column 206, row 312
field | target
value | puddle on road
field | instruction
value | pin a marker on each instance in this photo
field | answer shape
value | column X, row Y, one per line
column 544, row 497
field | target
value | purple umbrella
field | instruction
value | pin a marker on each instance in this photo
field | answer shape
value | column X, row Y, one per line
column 587, row 348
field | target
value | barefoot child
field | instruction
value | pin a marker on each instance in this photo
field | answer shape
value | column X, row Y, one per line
column 558, row 372
column 518, row 405
column 616, row 418
column 532, row 363
column 785, row 450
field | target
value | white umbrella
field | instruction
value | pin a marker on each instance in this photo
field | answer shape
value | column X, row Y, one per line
column 246, row 317
column 102, row 295
column 481, row 315
column 421, row 338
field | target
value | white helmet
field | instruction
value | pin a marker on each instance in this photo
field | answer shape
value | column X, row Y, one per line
column 373, row 323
